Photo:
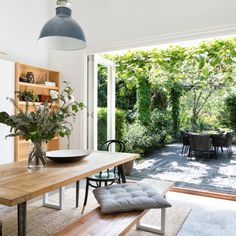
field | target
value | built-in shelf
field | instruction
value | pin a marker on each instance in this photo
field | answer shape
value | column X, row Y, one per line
column 23, row 103
column 42, row 90
column 29, row 85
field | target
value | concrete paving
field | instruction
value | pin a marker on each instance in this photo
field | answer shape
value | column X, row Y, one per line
column 208, row 217
column 168, row 163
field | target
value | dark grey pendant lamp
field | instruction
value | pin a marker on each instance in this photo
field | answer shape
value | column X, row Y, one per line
column 62, row 32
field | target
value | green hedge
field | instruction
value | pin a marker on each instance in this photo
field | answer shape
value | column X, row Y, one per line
column 143, row 100
column 145, row 139
column 230, row 103
column 102, row 125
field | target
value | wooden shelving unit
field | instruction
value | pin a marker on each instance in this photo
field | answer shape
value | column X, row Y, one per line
column 36, row 86
column 40, row 74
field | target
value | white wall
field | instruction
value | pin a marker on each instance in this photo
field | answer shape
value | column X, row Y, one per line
column 20, row 25
column 71, row 67
column 7, row 74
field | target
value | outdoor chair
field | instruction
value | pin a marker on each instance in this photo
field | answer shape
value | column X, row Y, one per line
column 223, row 141
column 185, row 141
column 200, row 145
column 107, row 177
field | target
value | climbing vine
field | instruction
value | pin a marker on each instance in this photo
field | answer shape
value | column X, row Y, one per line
column 143, row 100
column 175, row 95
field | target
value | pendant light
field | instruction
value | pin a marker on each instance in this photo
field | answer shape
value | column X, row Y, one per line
column 62, row 32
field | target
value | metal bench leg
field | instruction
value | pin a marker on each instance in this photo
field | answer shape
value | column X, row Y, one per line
column 152, row 228
column 46, row 203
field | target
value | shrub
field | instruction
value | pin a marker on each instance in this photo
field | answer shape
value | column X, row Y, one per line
column 102, row 125
column 139, row 140
column 145, row 139
column 161, row 123
column 230, row 103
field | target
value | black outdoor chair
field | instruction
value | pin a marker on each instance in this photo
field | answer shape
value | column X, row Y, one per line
column 200, row 145
column 107, row 177
column 223, row 141
column 185, row 141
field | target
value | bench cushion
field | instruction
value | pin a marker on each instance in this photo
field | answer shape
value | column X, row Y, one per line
column 128, row 197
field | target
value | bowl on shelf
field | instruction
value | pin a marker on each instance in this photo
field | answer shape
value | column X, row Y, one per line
column 23, row 79
column 67, row 155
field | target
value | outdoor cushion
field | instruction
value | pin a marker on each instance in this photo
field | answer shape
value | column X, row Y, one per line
column 128, row 197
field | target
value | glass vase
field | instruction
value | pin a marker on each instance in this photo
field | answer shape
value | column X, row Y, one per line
column 37, row 155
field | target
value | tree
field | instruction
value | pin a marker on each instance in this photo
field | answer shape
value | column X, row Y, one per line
column 230, row 103
column 197, row 72
column 167, row 73
column 207, row 68
column 134, row 68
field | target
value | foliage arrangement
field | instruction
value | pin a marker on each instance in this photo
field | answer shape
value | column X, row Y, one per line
column 44, row 122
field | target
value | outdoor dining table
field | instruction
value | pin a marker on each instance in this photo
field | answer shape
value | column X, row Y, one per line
column 18, row 185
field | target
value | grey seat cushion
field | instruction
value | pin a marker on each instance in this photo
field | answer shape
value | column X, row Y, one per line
column 128, row 197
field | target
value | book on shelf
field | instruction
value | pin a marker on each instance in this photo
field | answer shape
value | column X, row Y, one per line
column 48, row 83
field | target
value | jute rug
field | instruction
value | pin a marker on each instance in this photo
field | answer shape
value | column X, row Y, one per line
column 43, row 221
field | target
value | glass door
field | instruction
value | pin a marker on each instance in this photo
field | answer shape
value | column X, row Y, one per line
column 101, row 101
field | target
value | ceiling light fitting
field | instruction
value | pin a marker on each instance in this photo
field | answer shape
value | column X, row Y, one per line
column 62, row 32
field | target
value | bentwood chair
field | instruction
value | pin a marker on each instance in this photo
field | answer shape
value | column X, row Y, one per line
column 107, row 177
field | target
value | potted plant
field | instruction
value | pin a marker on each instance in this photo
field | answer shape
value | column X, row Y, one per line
column 43, row 123
column 27, row 96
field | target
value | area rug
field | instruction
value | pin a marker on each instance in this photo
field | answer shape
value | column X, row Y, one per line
column 43, row 221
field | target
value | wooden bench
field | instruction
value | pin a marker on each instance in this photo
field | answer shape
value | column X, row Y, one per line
column 96, row 223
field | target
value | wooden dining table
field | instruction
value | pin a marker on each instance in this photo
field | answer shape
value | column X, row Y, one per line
column 18, row 185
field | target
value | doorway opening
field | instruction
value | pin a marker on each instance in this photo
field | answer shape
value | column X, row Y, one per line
column 146, row 92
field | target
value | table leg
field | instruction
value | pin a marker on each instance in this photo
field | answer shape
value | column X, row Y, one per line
column 122, row 173
column 0, row 228
column 77, row 193
column 22, row 218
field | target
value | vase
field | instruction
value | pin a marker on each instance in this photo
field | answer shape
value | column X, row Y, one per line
column 37, row 155
column 30, row 77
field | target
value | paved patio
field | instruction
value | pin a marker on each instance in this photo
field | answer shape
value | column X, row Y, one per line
column 168, row 163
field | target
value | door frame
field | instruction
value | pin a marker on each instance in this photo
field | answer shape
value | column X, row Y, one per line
column 92, row 102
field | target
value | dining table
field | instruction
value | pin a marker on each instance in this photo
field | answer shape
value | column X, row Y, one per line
column 19, row 185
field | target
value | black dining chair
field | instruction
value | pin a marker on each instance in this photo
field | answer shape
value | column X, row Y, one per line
column 200, row 145
column 185, row 141
column 223, row 141
column 107, row 177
